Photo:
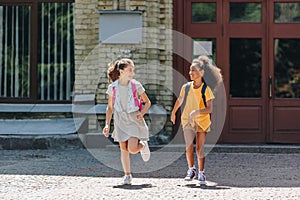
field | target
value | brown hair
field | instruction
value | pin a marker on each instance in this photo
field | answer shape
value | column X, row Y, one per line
column 212, row 74
column 113, row 71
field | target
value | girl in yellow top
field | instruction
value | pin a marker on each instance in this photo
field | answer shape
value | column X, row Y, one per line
column 195, row 117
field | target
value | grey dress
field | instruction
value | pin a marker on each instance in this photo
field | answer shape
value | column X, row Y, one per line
column 126, row 124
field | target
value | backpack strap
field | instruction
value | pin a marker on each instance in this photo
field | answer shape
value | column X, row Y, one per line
column 187, row 88
column 203, row 93
column 203, row 96
column 134, row 92
column 114, row 84
column 137, row 102
column 113, row 94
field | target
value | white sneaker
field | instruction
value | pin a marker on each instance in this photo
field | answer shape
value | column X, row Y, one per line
column 145, row 152
column 127, row 179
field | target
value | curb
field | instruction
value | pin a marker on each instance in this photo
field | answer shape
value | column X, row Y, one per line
column 21, row 142
column 256, row 148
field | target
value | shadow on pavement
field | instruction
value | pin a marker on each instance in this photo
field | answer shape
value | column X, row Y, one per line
column 206, row 187
column 134, row 187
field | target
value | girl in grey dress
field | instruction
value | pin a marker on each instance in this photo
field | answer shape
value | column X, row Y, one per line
column 130, row 128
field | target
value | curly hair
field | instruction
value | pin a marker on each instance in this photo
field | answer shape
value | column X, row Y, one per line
column 213, row 75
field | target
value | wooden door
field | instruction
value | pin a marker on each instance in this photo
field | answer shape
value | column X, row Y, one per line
column 245, row 65
column 284, row 71
column 250, row 40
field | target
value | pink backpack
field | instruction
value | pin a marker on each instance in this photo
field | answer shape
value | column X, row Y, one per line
column 137, row 102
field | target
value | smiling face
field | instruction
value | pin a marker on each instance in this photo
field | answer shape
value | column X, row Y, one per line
column 127, row 73
column 195, row 72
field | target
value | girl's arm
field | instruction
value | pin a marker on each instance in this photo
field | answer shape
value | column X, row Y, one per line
column 176, row 106
column 207, row 110
column 109, row 110
column 147, row 106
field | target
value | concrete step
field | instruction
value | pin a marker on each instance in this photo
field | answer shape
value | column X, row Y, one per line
column 35, row 111
column 52, row 141
column 96, row 140
column 25, row 142
column 56, row 126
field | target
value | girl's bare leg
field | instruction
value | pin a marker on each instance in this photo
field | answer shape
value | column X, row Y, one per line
column 200, row 140
column 134, row 146
column 125, row 157
column 189, row 136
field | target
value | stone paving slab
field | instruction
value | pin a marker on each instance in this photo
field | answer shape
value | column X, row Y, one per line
column 77, row 174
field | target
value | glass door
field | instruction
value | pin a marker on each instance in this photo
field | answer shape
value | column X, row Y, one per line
column 245, row 63
column 284, row 78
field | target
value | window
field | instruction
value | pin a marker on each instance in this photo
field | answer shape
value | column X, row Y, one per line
column 52, row 59
column 245, row 67
column 287, row 12
column 204, row 46
column 55, row 51
column 203, row 12
column 15, row 51
column 245, row 12
column 287, row 68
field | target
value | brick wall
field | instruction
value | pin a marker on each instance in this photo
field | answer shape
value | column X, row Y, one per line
column 86, row 39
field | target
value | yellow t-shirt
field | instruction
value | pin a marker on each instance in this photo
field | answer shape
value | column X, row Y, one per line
column 194, row 101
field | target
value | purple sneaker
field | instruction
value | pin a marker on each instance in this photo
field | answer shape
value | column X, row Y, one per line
column 202, row 178
column 127, row 179
column 191, row 174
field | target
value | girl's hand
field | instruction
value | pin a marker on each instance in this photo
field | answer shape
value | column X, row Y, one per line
column 173, row 118
column 106, row 130
column 139, row 116
column 191, row 118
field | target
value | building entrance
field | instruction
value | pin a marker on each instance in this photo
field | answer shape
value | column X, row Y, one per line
column 255, row 43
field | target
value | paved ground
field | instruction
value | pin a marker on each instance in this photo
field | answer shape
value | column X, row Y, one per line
column 82, row 174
